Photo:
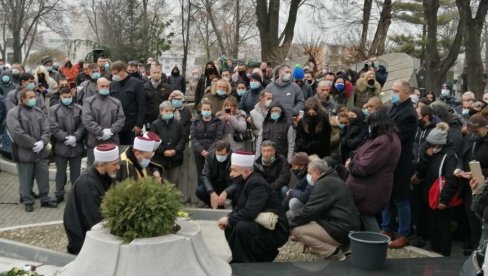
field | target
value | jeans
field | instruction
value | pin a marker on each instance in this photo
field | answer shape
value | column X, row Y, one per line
column 28, row 171
column 61, row 166
column 402, row 209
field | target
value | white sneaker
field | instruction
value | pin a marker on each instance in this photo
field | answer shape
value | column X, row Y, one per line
column 338, row 255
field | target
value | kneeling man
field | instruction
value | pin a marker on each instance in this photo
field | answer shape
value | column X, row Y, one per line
column 325, row 221
column 249, row 240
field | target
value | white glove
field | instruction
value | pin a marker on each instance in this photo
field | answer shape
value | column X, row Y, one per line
column 38, row 146
column 70, row 141
column 107, row 133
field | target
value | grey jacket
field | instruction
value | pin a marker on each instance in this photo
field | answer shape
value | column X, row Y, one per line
column 12, row 100
column 100, row 112
column 26, row 127
column 64, row 121
column 89, row 89
column 289, row 95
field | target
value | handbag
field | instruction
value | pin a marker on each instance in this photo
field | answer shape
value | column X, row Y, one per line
column 436, row 190
column 267, row 219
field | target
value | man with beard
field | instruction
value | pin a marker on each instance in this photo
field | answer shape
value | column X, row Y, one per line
column 82, row 210
column 176, row 80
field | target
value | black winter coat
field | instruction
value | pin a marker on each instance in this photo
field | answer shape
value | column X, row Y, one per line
column 474, row 149
column 427, row 169
column 300, row 191
column 130, row 92
column 405, row 118
column 330, row 205
column 215, row 174
column 205, row 134
column 154, row 97
column 313, row 135
column 355, row 134
column 82, row 210
column 277, row 174
column 173, row 137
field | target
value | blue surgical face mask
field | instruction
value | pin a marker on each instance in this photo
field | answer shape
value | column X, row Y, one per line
column 106, row 66
column 309, row 180
column 254, row 84
column 221, row 92
column 275, row 116
column 144, row 163
column 221, row 158
column 445, row 92
column 395, row 98
column 66, row 101
column 241, row 92
column 177, row 103
column 95, row 76
column 339, row 86
column 116, row 77
column 206, row 114
column 15, row 72
column 5, row 78
column 286, row 77
column 465, row 112
column 32, row 102
column 30, row 86
column 167, row 116
column 365, row 112
column 104, row 91
column 49, row 69
column 341, row 126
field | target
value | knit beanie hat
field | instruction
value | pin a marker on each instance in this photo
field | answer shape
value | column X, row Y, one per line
column 438, row 136
column 300, row 158
column 298, row 73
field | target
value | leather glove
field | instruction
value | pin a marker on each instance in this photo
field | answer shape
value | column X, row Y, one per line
column 70, row 141
column 38, row 146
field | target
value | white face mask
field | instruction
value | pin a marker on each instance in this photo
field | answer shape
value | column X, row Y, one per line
column 309, row 180
column 267, row 103
column 436, row 149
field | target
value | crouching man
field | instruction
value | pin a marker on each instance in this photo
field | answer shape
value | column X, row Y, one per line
column 325, row 221
column 249, row 233
column 82, row 210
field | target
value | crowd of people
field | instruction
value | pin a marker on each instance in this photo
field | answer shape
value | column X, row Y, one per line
column 298, row 155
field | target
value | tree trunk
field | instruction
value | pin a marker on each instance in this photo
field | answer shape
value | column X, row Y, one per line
column 33, row 38
column 17, row 47
column 472, row 43
column 378, row 44
column 208, row 8
column 274, row 48
column 364, row 33
column 435, row 68
column 185, row 27
column 235, row 45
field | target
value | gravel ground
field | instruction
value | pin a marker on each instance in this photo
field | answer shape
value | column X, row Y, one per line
column 53, row 237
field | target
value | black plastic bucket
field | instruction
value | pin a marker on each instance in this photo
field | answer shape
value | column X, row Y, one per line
column 368, row 249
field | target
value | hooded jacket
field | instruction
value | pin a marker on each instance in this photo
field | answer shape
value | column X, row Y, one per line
column 313, row 135
column 364, row 92
column 289, row 94
column 12, row 99
column 6, row 87
column 49, row 83
column 177, row 82
column 65, row 120
column 281, row 132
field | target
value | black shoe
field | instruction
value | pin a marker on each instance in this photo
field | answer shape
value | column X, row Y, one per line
column 49, row 204
column 29, row 208
column 59, row 199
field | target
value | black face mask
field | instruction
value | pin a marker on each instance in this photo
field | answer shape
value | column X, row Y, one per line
column 296, row 171
column 135, row 74
column 175, row 73
column 309, row 81
column 210, row 71
column 242, row 73
column 371, row 82
column 421, row 123
column 472, row 112
column 68, row 64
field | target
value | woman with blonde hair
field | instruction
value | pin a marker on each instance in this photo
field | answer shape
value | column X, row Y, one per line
column 234, row 121
column 366, row 88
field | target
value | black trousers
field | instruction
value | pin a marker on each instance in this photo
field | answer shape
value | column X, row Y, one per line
column 440, row 230
column 473, row 221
